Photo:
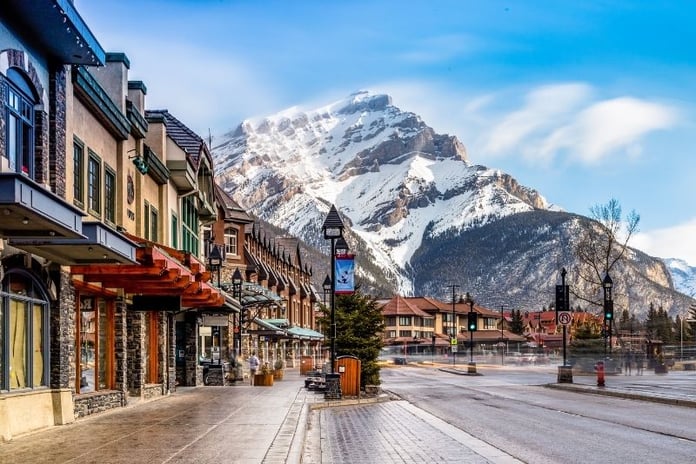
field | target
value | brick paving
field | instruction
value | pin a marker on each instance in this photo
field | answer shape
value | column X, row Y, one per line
column 395, row 432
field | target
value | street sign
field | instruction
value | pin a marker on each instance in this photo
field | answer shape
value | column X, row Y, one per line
column 565, row 317
column 454, row 348
column 453, row 341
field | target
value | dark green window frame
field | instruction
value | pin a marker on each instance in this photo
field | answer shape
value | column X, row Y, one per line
column 78, row 173
column 109, row 194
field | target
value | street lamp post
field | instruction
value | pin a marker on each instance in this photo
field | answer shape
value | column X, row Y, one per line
column 215, row 264
column 333, row 230
column 607, row 285
column 453, row 339
column 681, row 337
column 237, row 295
column 502, row 335
column 215, row 261
column 472, row 322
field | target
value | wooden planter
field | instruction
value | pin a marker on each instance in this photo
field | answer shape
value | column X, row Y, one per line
column 278, row 374
column 263, row 380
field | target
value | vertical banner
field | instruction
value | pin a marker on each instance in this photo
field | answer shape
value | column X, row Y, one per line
column 344, row 274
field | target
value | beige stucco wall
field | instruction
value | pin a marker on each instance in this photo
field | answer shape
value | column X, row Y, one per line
column 29, row 411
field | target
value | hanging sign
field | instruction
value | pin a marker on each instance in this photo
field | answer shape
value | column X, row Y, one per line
column 344, row 274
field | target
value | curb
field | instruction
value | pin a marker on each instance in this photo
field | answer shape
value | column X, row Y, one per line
column 623, row 394
column 349, row 402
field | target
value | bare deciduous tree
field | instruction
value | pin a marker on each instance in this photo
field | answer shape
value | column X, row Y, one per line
column 600, row 247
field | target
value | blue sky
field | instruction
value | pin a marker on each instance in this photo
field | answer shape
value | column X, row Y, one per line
column 582, row 100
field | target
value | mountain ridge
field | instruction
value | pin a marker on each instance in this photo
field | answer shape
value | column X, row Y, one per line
column 397, row 183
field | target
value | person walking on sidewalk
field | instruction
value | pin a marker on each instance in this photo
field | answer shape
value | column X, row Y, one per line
column 253, row 367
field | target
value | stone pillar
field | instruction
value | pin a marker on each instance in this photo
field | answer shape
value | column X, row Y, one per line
column 62, row 338
column 121, row 348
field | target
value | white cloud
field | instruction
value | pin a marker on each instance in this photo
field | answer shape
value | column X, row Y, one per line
column 607, row 126
column 545, row 107
column 671, row 242
column 203, row 88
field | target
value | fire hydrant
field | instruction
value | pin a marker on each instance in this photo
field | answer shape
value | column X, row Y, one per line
column 600, row 373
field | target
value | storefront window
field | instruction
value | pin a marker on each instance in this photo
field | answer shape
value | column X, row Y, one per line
column 95, row 329
column 23, row 348
column 88, row 330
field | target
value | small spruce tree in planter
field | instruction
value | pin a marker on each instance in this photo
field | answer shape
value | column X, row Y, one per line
column 265, row 377
column 278, row 369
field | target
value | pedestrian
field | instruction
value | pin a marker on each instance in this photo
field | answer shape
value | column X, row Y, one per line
column 639, row 363
column 628, row 362
column 253, row 367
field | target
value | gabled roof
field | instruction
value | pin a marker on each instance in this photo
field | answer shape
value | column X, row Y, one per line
column 399, row 306
column 190, row 142
column 233, row 211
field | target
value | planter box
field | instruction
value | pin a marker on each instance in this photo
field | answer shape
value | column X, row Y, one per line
column 660, row 369
column 263, row 380
column 278, row 374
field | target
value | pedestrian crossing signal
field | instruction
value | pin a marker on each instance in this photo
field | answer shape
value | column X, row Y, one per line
column 472, row 321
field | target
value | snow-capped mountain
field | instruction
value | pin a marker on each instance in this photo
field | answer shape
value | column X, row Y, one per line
column 684, row 276
column 410, row 198
column 389, row 173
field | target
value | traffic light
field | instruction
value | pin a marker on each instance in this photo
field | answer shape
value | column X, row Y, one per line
column 609, row 310
column 472, row 321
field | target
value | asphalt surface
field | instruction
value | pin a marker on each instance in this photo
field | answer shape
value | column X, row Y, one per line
column 287, row 423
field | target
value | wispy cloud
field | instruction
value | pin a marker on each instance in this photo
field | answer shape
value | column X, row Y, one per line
column 544, row 109
column 671, row 242
column 441, row 48
column 608, row 126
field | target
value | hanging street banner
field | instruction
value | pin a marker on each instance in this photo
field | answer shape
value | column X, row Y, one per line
column 344, row 274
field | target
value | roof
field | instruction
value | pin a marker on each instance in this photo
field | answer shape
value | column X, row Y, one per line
column 400, row 306
column 192, row 144
column 232, row 209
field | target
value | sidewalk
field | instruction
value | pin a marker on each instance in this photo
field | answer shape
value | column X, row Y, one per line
column 232, row 424
column 676, row 387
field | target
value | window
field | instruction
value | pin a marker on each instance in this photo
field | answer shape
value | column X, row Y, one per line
column 405, row 333
column 390, row 321
column 94, row 184
column 20, row 125
column 146, row 220
column 23, row 333
column 95, row 328
column 153, row 224
column 150, row 221
column 175, row 232
column 189, row 225
column 109, row 195
column 391, row 333
column 150, row 325
column 404, row 320
column 231, row 241
column 78, row 173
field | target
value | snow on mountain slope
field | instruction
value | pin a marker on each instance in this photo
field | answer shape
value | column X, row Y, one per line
column 387, row 172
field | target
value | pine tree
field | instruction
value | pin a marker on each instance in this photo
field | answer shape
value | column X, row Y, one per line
column 516, row 322
column 359, row 327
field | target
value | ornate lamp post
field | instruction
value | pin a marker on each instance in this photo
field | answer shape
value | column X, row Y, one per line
column 326, row 285
column 502, row 335
column 215, row 261
column 237, row 295
column 472, row 326
column 333, row 230
column 453, row 335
